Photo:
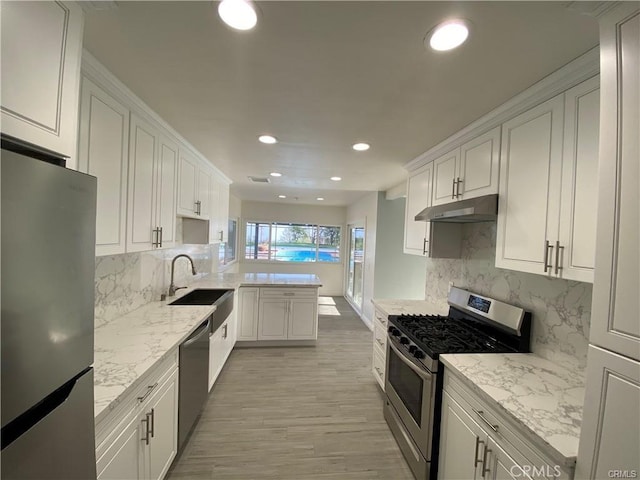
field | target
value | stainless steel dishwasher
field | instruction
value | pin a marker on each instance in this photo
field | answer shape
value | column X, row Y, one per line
column 194, row 379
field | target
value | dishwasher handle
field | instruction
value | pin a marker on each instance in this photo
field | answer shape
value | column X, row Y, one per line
column 198, row 333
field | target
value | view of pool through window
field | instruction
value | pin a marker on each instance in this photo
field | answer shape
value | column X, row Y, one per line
column 289, row 242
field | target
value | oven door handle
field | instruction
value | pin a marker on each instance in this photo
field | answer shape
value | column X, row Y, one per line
column 409, row 363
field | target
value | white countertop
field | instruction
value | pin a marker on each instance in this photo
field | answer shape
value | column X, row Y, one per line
column 128, row 346
column 407, row 307
column 543, row 398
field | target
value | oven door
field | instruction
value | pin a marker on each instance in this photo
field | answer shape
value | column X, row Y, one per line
column 410, row 388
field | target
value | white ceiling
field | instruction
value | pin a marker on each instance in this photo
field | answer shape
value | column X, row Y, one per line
column 321, row 76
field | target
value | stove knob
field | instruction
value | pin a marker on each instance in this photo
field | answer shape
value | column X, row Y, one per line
column 419, row 354
column 404, row 341
column 394, row 331
column 391, row 329
column 412, row 348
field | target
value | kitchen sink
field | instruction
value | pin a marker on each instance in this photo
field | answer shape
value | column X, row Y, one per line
column 202, row 296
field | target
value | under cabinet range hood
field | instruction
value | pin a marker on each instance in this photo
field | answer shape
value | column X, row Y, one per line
column 479, row 209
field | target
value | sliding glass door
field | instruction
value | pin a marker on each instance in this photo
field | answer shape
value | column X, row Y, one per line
column 355, row 266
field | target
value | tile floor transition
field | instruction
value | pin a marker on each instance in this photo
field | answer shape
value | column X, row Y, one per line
column 297, row 413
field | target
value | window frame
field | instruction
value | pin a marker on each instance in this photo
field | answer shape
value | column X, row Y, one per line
column 270, row 260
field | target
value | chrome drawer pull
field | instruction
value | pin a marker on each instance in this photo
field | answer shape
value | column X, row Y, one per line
column 485, row 469
column 476, row 460
column 480, row 414
column 149, row 390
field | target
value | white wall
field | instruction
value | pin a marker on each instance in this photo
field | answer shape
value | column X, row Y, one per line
column 397, row 275
column 364, row 212
column 331, row 275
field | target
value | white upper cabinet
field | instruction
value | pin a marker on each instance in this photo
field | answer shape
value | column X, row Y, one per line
column 469, row 171
column 548, row 176
column 219, row 218
column 103, row 152
column 194, row 188
column 41, row 52
column 529, row 200
column 416, row 234
column 444, row 177
column 479, row 165
column 153, row 161
column 578, row 204
column 143, row 148
column 616, row 297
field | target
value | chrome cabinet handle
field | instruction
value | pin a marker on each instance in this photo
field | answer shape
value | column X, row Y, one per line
column 547, row 246
column 453, row 188
column 476, row 460
column 378, row 370
column 149, row 390
column 458, row 182
column 221, row 235
column 153, row 421
column 558, row 266
column 198, row 207
column 424, row 247
column 480, row 414
column 224, row 329
column 380, row 342
column 485, row 469
column 160, row 232
column 154, row 243
column 146, row 429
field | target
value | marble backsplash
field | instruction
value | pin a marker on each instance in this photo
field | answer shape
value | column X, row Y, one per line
column 128, row 281
column 561, row 309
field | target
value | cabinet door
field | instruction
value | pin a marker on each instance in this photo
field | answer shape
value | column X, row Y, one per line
column 273, row 315
column 166, row 191
column 462, row 443
column 479, row 166
column 122, row 460
column 529, row 203
column 41, row 50
column 616, row 301
column 224, row 212
column 141, row 205
column 303, row 319
column 187, row 185
column 501, row 466
column 216, row 355
column 103, row 151
column 444, row 176
column 577, row 239
column 214, row 217
column 204, row 194
column 610, row 438
column 163, row 444
column 248, row 313
column 418, row 198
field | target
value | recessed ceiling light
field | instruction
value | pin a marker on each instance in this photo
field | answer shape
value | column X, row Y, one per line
column 448, row 35
column 336, row 179
column 282, row 196
column 238, row 14
column 320, row 198
column 275, row 174
column 361, row 147
column 267, row 139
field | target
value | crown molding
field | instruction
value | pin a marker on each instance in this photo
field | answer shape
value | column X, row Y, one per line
column 99, row 74
column 573, row 73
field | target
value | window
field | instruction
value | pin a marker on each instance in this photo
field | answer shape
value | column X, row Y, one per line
column 292, row 242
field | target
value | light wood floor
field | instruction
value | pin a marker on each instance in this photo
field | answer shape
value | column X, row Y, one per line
column 297, row 413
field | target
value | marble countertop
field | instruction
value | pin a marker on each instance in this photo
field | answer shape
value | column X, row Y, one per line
column 128, row 346
column 543, row 398
column 399, row 307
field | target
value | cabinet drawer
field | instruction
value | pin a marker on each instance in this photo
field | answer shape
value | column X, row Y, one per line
column 507, row 433
column 268, row 292
column 381, row 319
column 378, row 366
column 116, row 420
column 380, row 335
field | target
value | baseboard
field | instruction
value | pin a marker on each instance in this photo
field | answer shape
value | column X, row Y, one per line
column 274, row 343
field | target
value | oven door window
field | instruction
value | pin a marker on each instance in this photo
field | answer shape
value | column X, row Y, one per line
column 407, row 384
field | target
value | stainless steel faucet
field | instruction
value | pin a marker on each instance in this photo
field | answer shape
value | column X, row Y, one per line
column 172, row 287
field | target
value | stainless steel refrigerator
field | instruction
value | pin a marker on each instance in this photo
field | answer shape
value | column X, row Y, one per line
column 47, row 296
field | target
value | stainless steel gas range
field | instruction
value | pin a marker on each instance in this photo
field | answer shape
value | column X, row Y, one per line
column 413, row 381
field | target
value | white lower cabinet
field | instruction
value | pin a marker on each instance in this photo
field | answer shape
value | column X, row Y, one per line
column 379, row 346
column 273, row 313
column 479, row 442
column 220, row 345
column 139, row 438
